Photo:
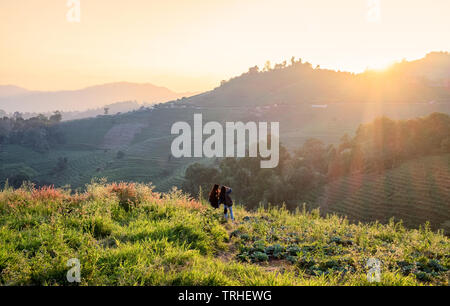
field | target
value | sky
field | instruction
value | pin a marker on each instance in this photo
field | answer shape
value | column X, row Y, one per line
column 191, row 45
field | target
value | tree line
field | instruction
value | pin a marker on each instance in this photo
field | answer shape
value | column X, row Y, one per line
column 39, row 132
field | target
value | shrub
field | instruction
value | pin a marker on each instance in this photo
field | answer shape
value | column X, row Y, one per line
column 17, row 180
column 46, row 193
column 293, row 250
column 120, row 155
column 260, row 256
column 126, row 192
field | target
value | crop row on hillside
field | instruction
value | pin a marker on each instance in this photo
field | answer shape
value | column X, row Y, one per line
column 416, row 192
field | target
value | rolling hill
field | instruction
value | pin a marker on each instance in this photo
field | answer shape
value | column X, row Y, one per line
column 146, row 145
column 421, row 81
column 14, row 99
column 288, row 95
column 11, row 91
column 415, row 192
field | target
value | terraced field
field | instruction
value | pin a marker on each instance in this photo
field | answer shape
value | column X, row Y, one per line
column 144, row 136
column 416, row 192
column 92, row 145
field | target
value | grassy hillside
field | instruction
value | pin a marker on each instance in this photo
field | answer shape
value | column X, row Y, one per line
column 91, row 145
column 91, row 153
column 126, row 234
column 416, row 192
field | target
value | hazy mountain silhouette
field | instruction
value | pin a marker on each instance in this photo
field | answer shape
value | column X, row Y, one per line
column 113, row 109
column 14, row 98
column 435, row 66
column 11, row 90
column 421, row 81
column 145, row 135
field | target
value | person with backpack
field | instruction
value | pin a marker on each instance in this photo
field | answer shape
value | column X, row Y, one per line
column 214, row 196
column 225, row 199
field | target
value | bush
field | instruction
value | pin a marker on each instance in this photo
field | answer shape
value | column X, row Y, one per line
column 17, row 180
column 46, row 193
column 120, row 155
column 260, row 256
column 126, row 192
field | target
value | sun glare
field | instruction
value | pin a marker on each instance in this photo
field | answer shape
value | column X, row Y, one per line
column 380, row 66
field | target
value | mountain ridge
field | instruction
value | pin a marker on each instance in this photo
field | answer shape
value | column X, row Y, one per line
column 419, row 81
column 14, row 98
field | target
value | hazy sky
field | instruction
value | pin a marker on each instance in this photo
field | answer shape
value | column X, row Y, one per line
column 190, row 45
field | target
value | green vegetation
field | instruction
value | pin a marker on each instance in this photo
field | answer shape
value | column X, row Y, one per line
column 364, row 176
column 38, row 133
column 127, row 234
column 415, row 192
column 284, row 94
column 89, row 156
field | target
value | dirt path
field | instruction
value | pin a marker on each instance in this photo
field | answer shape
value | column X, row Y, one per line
column 231, row 251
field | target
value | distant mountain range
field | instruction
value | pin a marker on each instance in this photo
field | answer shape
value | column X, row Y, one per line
column 112, row 109
column 7, row 91
column 13, row 98
column 420, row 81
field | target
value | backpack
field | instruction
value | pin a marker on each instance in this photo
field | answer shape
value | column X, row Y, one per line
column 214, row 201
column 228, row 200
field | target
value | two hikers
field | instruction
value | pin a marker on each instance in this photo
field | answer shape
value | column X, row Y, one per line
column 217, row 197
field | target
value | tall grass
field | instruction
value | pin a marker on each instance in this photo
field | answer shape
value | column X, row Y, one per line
column 127, row 234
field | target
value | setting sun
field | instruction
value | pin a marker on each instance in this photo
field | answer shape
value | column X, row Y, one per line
column 193, row 45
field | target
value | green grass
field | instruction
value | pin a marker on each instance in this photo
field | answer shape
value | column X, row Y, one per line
column 416, row 192
column 170, row 239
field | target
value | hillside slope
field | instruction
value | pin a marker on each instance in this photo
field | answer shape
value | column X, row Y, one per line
column 416, row 192
column 287, row 95
column 86, row 98
column 125, row 234
column 11, row 90
column 91, row 153
column 421, row 81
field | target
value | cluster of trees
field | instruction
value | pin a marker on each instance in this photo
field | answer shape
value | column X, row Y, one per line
column 39, row 132
column 377, row 146
column 268, row 72
column 385, row 143
column 16, row 174
column 296, row 82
